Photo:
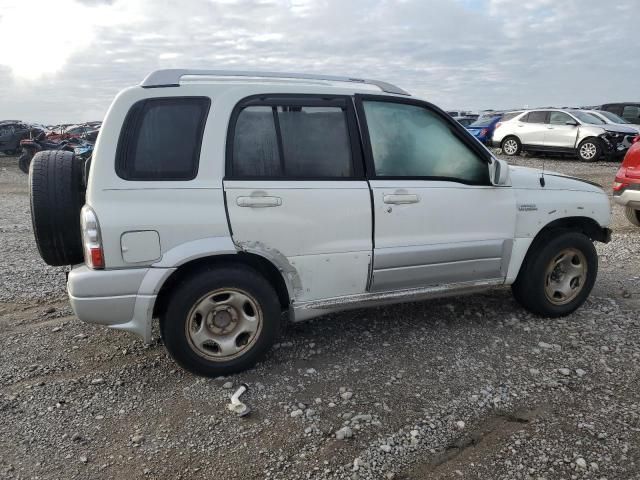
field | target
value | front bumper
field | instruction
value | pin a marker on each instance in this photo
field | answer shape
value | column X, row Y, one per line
column 120, row 299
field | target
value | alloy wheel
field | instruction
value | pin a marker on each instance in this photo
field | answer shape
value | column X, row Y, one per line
column 588, row 151
column 510, row 147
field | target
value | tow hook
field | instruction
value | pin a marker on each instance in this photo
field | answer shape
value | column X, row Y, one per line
column 236, row 406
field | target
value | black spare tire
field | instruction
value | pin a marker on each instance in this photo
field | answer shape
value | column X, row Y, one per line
column 57, row 195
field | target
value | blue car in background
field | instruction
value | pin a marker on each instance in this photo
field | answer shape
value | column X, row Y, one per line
column 484, row 126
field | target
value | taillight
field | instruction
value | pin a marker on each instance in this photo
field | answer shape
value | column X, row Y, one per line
column 91, row 238
column 636, row 139
column 498, row 125
column 484, row 131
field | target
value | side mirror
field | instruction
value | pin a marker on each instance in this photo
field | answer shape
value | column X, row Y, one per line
column 571, row 122
column 499, row 171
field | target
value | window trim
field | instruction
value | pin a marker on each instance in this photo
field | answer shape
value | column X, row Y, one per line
column 458, row 130
column 299, row 100
column 126, row 134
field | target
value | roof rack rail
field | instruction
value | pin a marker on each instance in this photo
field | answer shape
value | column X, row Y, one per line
column 171, row 77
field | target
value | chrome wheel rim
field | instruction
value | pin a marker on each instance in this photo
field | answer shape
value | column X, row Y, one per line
column 565, row 276
column 224, row 324
column 588, row 151
column 510, row 147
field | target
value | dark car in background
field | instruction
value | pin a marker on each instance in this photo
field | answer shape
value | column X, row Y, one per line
column 11, row 132
column 630, row 111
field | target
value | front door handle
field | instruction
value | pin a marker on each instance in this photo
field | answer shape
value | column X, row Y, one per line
column 401, row 198
column 259, row 202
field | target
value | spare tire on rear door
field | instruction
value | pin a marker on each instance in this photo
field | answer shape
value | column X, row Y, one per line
column 57, row 195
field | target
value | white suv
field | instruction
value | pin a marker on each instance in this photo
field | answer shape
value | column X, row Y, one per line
column 562, row 131
column 227, row 203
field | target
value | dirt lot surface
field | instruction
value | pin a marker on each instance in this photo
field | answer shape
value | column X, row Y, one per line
column 472, row 387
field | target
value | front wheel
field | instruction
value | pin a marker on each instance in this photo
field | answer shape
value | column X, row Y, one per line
column 590, row 150
column 221, row 320
column 557, row 274
column 632, row 215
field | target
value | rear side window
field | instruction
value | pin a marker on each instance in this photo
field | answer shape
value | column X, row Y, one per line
column 509, row 116
column 161, row 139
column 292, row 141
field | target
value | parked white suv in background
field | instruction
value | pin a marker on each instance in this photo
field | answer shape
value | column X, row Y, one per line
column 562, row 131
column 224, row 203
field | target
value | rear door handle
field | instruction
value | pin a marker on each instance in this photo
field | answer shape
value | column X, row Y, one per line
column 401, row 198
column 259, row 202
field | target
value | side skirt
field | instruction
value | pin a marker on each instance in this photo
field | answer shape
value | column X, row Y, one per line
column 316, row 308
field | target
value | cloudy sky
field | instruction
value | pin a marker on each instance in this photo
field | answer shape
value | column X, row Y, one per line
column 64, row 60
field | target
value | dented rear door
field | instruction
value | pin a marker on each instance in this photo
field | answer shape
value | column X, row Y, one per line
column 296, row 193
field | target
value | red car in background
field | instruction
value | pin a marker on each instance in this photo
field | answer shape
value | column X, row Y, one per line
column 626, row 187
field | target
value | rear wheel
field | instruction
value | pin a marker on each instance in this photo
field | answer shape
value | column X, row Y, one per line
column 558, row 274
column 589, row 150
column 511, row 146
column 221, row 320
column 632, row 215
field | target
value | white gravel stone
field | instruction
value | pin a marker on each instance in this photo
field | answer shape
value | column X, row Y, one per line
column 344, row 432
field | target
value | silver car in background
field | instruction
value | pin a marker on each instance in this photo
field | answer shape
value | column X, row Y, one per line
column 575, row 132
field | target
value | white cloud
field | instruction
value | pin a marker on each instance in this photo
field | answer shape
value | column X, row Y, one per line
column 456, row 53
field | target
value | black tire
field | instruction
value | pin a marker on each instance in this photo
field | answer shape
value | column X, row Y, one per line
column 508, row 141
column 57, row 195
column 529, row 287
column 191, row 291
column 24, row 161
column 632, row 215
column 590, row 150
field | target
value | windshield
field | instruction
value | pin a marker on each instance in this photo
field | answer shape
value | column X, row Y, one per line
column 587, row 117
column 613, row 117
column 484, row 121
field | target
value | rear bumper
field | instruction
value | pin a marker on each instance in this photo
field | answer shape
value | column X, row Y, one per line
column 629, row 197
column 120, row 299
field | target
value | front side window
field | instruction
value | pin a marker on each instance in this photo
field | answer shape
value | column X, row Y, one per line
column 292, row 141
column 631, row 113
column 412, row 141
column 559, row 118
column 585, row 117
column 612, row 117
column 161, row 138
column 537, row 116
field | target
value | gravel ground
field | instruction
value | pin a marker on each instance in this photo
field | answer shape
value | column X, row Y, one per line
column 472, row 388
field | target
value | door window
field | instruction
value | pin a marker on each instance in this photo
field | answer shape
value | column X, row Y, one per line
column 292, row 141
column 537, row 116
column 631, row 113
column 559, row 118
column 412, row 141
